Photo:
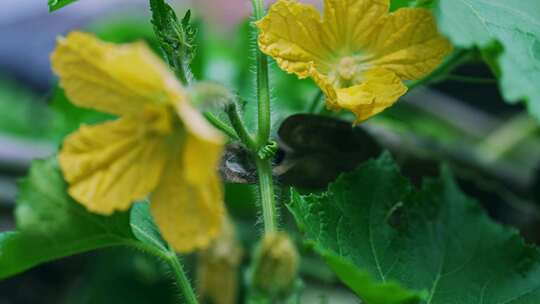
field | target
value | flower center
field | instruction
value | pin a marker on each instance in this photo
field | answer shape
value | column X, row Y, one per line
column 347, row 68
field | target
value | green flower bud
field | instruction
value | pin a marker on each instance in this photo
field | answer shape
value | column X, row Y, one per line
column 275, row 264
column 211, row 96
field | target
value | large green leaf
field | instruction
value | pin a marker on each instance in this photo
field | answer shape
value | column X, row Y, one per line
column 392, row 243
column 51, row 225
column 513, row 24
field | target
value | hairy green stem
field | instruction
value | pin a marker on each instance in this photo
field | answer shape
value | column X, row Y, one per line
column 240, row 128
column 220, row 125
column 264, row 169
column 170, row 257
column 181, row 279
column 264, row 165
column 263, row 86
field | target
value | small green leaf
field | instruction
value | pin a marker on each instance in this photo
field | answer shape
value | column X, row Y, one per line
column 58, row 4
column 514, row 24
column 144, row 228
column 392, row 243
column 51, row 225
column 176, row 38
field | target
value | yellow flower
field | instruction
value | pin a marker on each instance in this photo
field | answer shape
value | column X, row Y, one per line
column 160, row 147
column 358, row 54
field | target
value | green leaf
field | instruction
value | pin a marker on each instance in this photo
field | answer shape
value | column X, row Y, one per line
column 176, row 38
column 362, row 283
column 392, row 243
column 51, row 225
column 144, row 228
column 515, row 25
column 58, row 4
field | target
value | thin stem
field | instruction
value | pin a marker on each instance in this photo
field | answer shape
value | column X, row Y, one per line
column 455, row 60
column 181, row 279
column 240, row 128
column 315, row 104
column 170, row 257
column 263, row 86
column 264, row 169
column 469, row 79
column 264, row 166
column 216, row 122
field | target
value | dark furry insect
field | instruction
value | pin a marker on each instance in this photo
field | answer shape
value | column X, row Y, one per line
column 313, row 151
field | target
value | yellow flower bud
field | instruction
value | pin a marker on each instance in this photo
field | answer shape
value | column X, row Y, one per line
column 276, row 264
column 217, row 268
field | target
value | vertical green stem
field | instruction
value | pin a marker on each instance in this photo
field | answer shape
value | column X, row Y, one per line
column 268, row 203
column 181, row 279
column 263, row 86
column 264, row 166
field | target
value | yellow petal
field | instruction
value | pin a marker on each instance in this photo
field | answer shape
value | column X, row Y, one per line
column 351, row 21
column 108, row 166
column 189, row 215
column 292, row 33
column 188, row 202
column 408, row 44
column 117, row 79
column 327, row 88
column 203, row 145
column 379, row 90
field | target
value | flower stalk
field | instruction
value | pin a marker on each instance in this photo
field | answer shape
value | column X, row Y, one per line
column 264, row 165
column 181, row 279
column 263, row 87
column 266, row 186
